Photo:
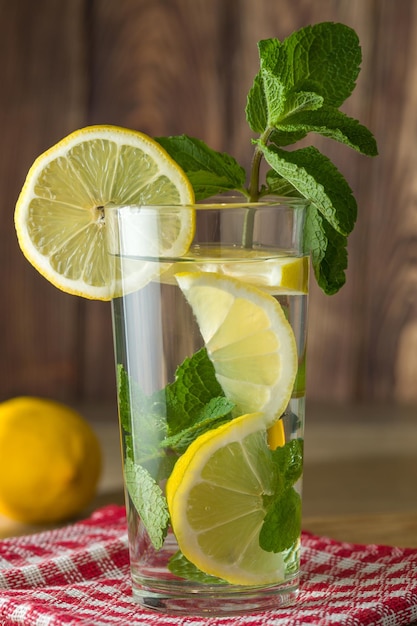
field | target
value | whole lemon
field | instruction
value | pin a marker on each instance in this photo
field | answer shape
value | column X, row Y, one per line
column 50, row 460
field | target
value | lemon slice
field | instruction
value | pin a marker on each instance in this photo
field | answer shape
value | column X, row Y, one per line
column 277, row 275
column 270, row 271
column 248, row 339
column 60, row 213
column 215, row 499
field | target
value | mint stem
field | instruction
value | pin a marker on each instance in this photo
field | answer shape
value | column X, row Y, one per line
column 254, row 191
column 254, row 176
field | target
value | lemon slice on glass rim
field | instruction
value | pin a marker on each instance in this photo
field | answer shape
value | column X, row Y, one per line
column 60, row 213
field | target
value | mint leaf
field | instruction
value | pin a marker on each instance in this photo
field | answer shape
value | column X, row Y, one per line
column 315, row 65
column 318, row 180
column 180, row 566
column 328, row 251
column 143, row 426
column 324, row 58
column 256, row 106
column 149, row 501
column 288, row 461
column 332, row 123
column 330, row 217
column 123, row 394
column 209, row 172
column 194, row 386
column 216, row 412
column 282, row 523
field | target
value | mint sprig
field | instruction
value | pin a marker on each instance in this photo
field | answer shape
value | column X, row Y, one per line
column 209, row 172
column 301, row 84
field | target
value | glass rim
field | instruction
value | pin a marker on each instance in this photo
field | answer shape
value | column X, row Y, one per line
column 221, row 202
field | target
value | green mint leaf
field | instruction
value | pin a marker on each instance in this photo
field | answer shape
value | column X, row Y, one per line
column 274, row 91
column 328, row 251
column 134, row 406
column 282, row 523
column 216, row 412
column 273, row 59
column 209, row 172
column 194, row 386
column 256, row 108
column 324, row 58
column 269, row 101
column 288, row 462
column 140, row 413
column 330, row 122
column 149, row 502
column 315, row 65
column 123, row 397
column 318, row 180
column 143, row 426
column 266, row 98
column 180, row 566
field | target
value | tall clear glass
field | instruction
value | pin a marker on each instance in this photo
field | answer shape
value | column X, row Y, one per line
column 210, row 326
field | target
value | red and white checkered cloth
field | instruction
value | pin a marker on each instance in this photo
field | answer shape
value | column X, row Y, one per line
column 79, row 575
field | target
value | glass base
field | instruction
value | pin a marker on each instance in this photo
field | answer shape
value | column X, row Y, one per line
column 212, row 601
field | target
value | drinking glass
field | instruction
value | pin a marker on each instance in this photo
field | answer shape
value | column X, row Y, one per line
column 209, row 450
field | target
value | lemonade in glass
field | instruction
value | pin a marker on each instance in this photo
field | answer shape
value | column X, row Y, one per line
column 210, row 353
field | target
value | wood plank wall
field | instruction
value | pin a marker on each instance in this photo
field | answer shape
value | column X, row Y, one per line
column 173, row 66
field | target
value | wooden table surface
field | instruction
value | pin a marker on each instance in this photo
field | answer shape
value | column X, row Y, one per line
column 360, row 479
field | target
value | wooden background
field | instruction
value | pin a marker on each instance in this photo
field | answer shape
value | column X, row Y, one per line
column 174, row 66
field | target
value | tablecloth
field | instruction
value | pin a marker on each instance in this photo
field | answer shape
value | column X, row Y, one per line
column 79, row 575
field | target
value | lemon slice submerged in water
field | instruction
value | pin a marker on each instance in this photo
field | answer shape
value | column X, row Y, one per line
column 215, row 497
column 249, row 341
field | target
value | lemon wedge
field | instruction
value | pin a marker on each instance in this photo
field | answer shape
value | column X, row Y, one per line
column 60, row 213
column 248, row 339
column 215, row 499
